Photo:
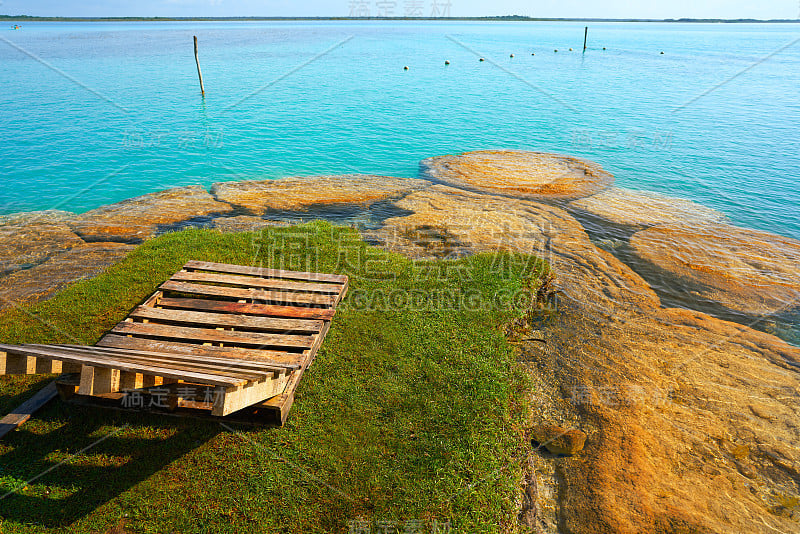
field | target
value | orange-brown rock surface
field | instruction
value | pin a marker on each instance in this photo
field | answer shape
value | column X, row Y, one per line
column 27, row 239
column 448, row 221
column 642, row 209
column 522, row 174
column 298, row 193
column 750, row 271
column 692, row 421
column 61, row 269
column 142, row 217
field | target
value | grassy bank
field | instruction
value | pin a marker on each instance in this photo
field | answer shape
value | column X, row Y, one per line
column 411, row 416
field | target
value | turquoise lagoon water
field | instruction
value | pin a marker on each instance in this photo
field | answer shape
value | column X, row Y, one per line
column 92, row 113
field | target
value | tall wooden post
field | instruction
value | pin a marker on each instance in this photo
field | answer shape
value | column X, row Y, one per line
column 585, row 36
column 199, row 73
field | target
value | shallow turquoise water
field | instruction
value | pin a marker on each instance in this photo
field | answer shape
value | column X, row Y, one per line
column 131, row 119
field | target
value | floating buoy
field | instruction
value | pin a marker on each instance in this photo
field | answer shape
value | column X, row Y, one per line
column 481, row 59
column 405, row 68
column 570, row 50
column 446, row 62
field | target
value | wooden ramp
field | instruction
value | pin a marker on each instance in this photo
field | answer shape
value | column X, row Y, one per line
column 214, row 337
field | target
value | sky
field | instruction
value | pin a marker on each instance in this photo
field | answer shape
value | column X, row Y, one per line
column 759, row 9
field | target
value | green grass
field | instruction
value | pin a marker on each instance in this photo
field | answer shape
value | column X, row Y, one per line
column 413, row 411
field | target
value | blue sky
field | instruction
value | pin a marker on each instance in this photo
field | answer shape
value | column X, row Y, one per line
column 763, row 9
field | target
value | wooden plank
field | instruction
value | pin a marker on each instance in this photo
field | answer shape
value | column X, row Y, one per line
column 245, row 308
column 214, row 369
column 254, row 355
column 342, row 294
column 259, row 271
column 227, row 320
column 241, row 397
column 256, row 281
column 213, row 335
column 90, row 360
column 27, row 409
column 226, row 363
column 249, row 294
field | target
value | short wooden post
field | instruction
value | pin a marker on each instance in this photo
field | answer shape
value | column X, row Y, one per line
column 15, row 364
column 98, row 380
column 199, row 73
column 585, row 37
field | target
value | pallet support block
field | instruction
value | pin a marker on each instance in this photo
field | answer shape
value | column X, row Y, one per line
column 98, row 381
column 13, row 364
column 235, row 398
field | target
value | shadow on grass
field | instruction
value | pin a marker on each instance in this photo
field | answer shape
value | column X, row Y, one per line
column 93, row 455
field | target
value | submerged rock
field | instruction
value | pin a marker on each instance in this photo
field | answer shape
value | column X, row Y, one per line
column 642, row 209
column 296, row 193
column 521, row 174
column 749, row 271
column 141, row 218
column 42, row 281
column 29, row 238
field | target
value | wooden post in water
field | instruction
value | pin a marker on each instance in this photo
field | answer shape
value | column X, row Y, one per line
column 585, row 36
column 199, row 73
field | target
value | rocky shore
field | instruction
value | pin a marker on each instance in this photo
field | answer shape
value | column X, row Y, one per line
column 690, row 420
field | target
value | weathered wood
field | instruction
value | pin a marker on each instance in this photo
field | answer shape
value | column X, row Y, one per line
column 228, row 320
column 235, row 399
column 256, row 281
column 221, row 363
column 247, row 351
column 247, row 308
column 283, row 403
column 17, row 364
column 48, row 367
column 259, row 271
column 98, row 380
column 199, row 73
column 88, row 359
column 249, row 294
column 254, row 355
column 27, row 409
column 213, row 335
column 193, row 366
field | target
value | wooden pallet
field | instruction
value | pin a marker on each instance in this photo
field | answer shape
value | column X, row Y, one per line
column 245, row 334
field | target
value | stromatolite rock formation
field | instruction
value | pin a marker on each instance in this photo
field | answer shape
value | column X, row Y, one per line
column 448, row 221
column 295, row 193
column 40, row 282
column 27, row 239
column 521, row 174
column 750, row 271
column 141, row 218
column 642, row 209
column 693, row 419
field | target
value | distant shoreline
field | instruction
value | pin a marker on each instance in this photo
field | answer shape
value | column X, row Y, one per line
column 510, row 18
